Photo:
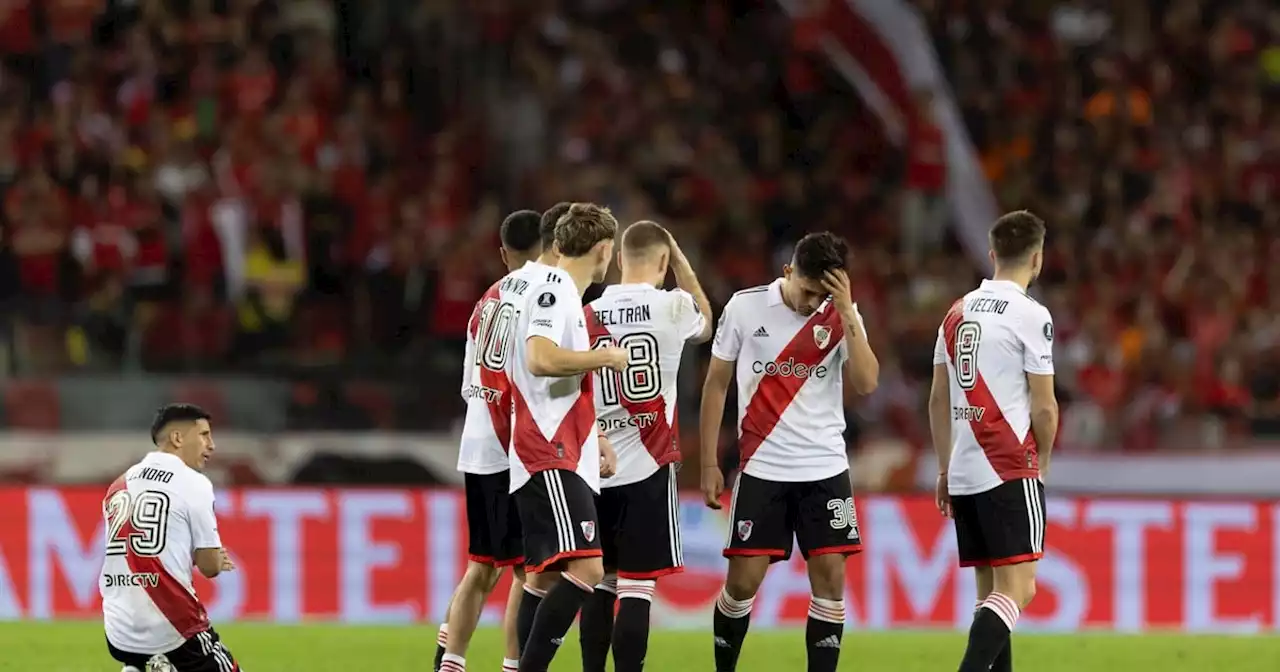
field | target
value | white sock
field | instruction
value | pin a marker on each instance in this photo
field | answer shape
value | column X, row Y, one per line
column 442, row 636
column 734, row 608
column 636, row 589
column 510, row 665
column 1004, row 607
column 608, row 584
column 452, row 662
column 831, row 611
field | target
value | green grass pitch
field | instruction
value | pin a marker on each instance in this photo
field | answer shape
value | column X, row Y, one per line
column 79, row 647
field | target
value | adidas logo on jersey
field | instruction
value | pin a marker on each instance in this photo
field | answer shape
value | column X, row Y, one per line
column 761, row 332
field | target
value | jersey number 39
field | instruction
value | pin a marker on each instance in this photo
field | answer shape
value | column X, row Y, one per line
column 148, row 516
column 641, row 381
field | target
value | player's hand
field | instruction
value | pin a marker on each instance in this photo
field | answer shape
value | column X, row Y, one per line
column 836, row 283
column 227, row 564
column 608, row 458
column 614, row 358
column 942, row 496
column 712, row 485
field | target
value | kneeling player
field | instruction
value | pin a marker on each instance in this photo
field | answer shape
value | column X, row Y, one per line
column 639, row 507
column 792, row 342
column 160, row 521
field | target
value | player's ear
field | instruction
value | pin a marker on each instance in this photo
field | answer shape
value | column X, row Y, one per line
column 502, row 252
column 786, row 271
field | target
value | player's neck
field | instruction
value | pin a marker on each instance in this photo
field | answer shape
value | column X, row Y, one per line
column 1018, row 276
column 549, row 259
column 581, row 269
column 640, row 278
column 518, row 262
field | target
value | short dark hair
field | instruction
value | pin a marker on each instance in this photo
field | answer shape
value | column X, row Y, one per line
column 644, row 236
column 549, row 220
column 1015, row 235
column 175, row 413
column 583, row 227
column 818, row 253
column 521, row 231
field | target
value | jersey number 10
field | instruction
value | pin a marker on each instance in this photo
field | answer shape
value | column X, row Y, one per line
column 147, row 515
column 493, row 334
column 641, row 381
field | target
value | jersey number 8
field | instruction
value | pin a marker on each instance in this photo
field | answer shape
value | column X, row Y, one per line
column 966, row 355
column 493, row 334
column 148, row 517
column 641, row 381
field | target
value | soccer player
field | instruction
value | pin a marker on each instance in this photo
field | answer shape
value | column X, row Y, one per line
column 555, row 455
column 793, row 344
column 639, row 507
column 160, row 521
column 993, row 415
column 493, row 525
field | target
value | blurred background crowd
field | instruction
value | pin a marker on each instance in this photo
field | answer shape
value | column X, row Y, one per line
column 301, row 197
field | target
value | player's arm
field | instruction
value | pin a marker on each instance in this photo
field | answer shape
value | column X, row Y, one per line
column 1037, row 362
column 207, row 553
column 687, row 280
column 715, row 389
column 548, row 323
column 861, row 368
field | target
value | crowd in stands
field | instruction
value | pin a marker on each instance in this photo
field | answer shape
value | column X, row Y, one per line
column 218, row 185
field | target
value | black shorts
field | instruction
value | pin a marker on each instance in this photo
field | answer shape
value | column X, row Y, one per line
column 640, row 526
column 765, row 516
column 202, row 653
column 558, row 511
column 1002, row 526
column 493, row 526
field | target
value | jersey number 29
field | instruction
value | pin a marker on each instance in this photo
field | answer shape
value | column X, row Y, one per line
column 148, row 516
column 641, row 381
column 968, row 334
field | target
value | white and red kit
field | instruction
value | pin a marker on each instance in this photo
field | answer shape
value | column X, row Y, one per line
column 790, row 385
column 636, row 408
column 990, row 340
column 553, row 418
column 157, row 514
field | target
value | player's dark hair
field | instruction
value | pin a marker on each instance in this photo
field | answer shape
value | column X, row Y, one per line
column 176, row 413
column 583, row 227
column 1015, row 235
column 644, row 236
column 522, row 231
column 549, row 220
column 818, row 253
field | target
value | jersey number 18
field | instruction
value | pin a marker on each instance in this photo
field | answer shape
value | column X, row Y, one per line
column 641, row 381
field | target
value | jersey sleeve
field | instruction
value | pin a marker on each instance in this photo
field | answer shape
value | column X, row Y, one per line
column 940, row 348
column 204, row 522
column 550, row 312
column 728, row 340
column 1036, row 334
column 688, row 319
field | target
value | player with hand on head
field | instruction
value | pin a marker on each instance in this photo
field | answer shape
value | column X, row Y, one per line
column 556, row 455
column 793, row 344
column 639, row 507
column 493, row 526
column 160, row 522
column 993, row 415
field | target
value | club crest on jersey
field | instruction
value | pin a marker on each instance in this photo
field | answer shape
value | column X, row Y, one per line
column 588, row 530
column 822, row 336
column 744, row 529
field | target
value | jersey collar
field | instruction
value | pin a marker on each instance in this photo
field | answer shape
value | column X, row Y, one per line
column 622, row 287
column 161, row 456
column 775, row 292
column 993, row 284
